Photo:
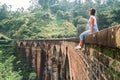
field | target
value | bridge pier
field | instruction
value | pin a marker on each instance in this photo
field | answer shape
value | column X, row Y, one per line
column 34, row 53
column 27, row 51
column 38, row 62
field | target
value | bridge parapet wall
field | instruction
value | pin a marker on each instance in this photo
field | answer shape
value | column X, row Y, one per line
column 109, row 37
column 102, row 53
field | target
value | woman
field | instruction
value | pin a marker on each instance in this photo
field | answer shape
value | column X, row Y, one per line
column 92, row 24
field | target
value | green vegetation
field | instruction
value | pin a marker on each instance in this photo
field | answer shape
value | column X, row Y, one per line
column 37, row 25
column 108, row 60
column 47, row 19
column 3, row 37
column 7, row 61
column 55, row 19
column 11, row 67
column 6, row 68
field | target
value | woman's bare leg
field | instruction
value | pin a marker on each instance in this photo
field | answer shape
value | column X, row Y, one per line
column 81, row 43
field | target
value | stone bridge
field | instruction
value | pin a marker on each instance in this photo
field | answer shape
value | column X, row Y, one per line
column 56, row 59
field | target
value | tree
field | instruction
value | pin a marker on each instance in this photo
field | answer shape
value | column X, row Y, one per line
column 52, row 2
column 35, row 6
column 6, row 68
column 3, row 12
column 109, row 17
column 45, row 4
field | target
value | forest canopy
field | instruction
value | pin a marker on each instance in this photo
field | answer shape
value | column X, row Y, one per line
column 56, row 18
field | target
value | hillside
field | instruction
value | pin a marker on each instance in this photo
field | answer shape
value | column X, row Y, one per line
column 37, row 25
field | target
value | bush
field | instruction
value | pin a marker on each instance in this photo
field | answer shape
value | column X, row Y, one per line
column 1, row 26
column 80, row 29
column 67, row 16
column 6, row 68
column 54, row 8
column 79, row 20
column 32, row 76
column 75, row 13
column 60, row 14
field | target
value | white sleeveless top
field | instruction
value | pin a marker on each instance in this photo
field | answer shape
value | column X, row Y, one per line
column 95, row 22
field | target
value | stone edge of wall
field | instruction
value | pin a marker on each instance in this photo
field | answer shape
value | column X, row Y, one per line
column 109, row 37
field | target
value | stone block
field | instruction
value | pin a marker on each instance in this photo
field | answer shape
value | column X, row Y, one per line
column 92, row 38
column 102, row 37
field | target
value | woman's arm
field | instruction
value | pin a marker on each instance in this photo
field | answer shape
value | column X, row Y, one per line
column 91, row 25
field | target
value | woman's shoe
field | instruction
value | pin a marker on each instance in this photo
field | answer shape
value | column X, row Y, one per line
column 78, row 47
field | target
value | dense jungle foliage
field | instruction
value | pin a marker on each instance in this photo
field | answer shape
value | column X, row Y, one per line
column 47, row 19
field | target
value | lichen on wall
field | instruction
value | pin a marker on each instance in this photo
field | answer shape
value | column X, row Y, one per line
column 104, row 62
